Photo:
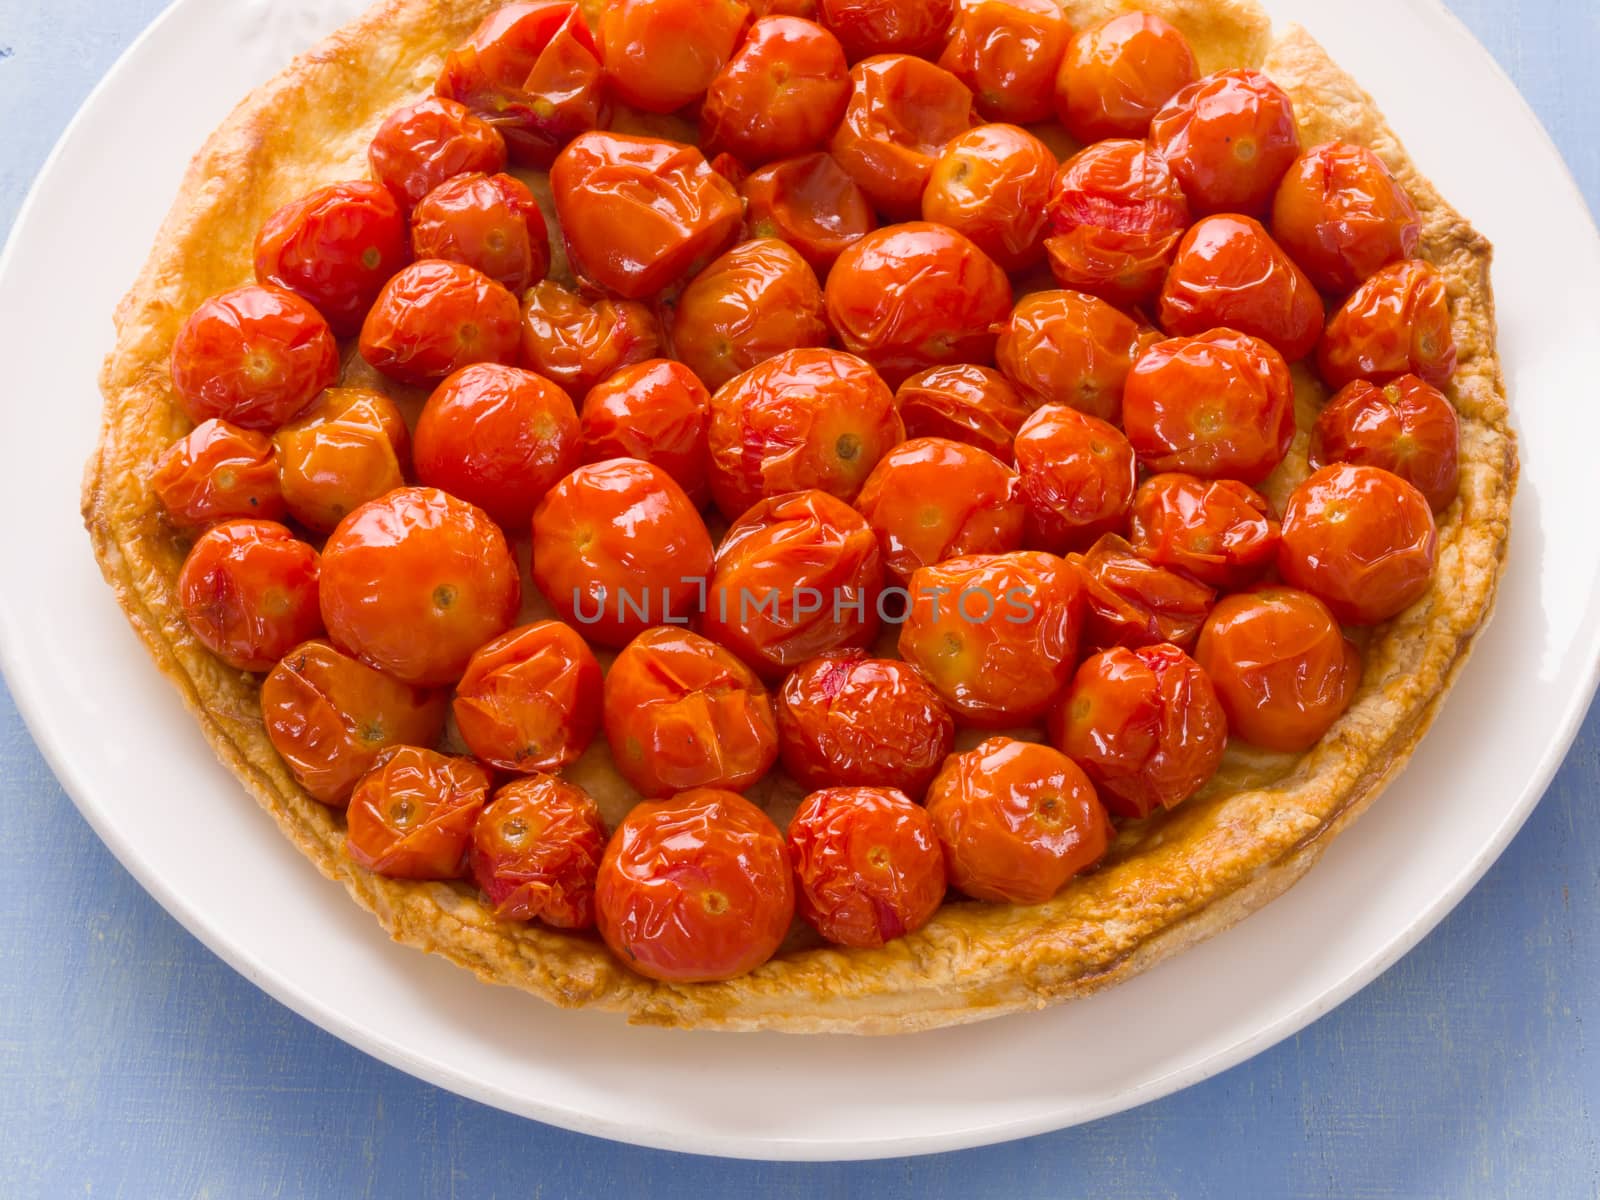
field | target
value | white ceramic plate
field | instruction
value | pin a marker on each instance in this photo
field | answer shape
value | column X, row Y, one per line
column 140, row 771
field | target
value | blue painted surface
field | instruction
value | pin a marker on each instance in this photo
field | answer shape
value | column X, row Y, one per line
column 134, row 1063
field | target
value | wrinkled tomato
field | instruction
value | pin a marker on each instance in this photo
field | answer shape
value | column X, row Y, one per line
column 965, row 403
column 1133, row 602
column 1230, row 137
column 411, row 816
column 436, row 317
column 810, row 203
column 1218, row 531
column 349, row 447
column 1077, row 475
column 490, row 222
column 1406, row 426
column 1115, row 76
column 530, row 699
column 661, row 54
column 248, row 590
column 889, row 26
column 216, row 472
column 1006, row 52
column 536, row 851
column 1069, row 348
column 780, row 95
column 420, row 146
column 992, row 184
column 1396, row 323
column 1343, row 216
column 577, row 344
column 657, row 411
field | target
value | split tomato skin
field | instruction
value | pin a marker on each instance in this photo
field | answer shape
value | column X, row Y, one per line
column 216, row 472
column 1061, row 347
column 1116, row 75
column 809, row 202
column 1230, row 138
column 1129, row 601
column 781, row 94
column 248, row 590
column 991, row 184
column 350, row 446
column 1007, row 52
column 1077, row 476
column 530, row 699
column 657, row 411
column 1396, row 323
column 489, row 222
column 435, row 317
column 420, row 146
column 412, row 814
column 868, row 27
column 576, row 344
column 1217, row 531
column 1343, row 216
column 536, row 851
column 965, row 403
column 660, row 55
column 1406, row 427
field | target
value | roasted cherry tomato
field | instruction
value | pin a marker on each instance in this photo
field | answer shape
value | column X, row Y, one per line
column 578, row 344
column 617, row 548
column 1215, row 530
column 901, row 113
column 1396, row 323
column 912, row 296
column 757, row 300
column 890, row 26
column 1230, row 138
column 1145, row 725
column 695, row 888
column 1115, row 76
column 640, row 213
column 1361, row 540
column 1116, row 215
column 417, row 580
column 996, row 635
column 965, row 403
column 491, row 222
column 1407, row 427
column 1343, row 217
column 254, row 357
column 785, row 8
column 1282, row 669
column 782, row 94
column 661, row 54
column 411, row 816
column 349, row 447
column 1016, row 820
column 530, row 700
column 1069, row 348
column 536, row 852
column 420, row 146
column 657, row 411
column 1006, row 52
column 846, row 720
column 1229, row 272
column 335, row 248
column 682, row 712
column 1220, row 406
column 436, row 317
column 248, row 590
column 533, row 71
column 992, row 183
column 216, row 472
column 810, row 203
column 1132, row 602
column 497, row 437
column 330, row 716
column 803, row 419
column 867, row 864
column 1077, row 475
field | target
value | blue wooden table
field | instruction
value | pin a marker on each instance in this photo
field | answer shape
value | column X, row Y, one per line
column 134, row 1063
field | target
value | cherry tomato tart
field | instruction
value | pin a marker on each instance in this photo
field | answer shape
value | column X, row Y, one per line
column 349, row 447
column 1218, row 531
column 412, row 815
column 1396, row 323
column 1069, row 348
column 657, row 411
column 436, row 317
column 489, row 222
column 661, row 54
column 1115, row 76
column 216, row 472
column 1343, row 217
column 810, row 203
column 1077, row 476
column 1007, row 52
column 1130, row 601
column 536, row 851
column 1406, row 426
column 530, row 699
column 992, row 184
column 420, row 146
column 964, row 403
column 248, row 590
column 577, row 344
column 1230, row 137
column 781, row 94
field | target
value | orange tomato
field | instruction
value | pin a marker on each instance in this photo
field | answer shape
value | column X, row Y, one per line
column 1215, row 530
column 1116, row 75
column 489, row 222
column 1077, row 476
column 530, row 699
column 411, row 816
column 657, row 411
column 889, row 26
column 964, row 403
column 1343, row 217
column 436, row 317
column 781, row 94
column 349, row 447
column 992, row 184
column 248, row 590
column 810, row 203
column 1069, row 348
column 215, row 472
column 1006, row 52
column 1230, row 137
column 661, row 54
column 1396, row 323
column 1132, row 602
column 577, row 344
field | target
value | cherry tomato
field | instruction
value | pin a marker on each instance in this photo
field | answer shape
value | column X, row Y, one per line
column 1229, row 272
column 1077, row 476
column 1016, row 820
column 415, row 581
column 436, row 317
column 532, row 71
column 349, row 447
column 420, row 146
column 1361, row 540
column 1396, row 323
column 1132, row 602
column 1006, row 52
column 1145, row 725
column 996, row 635
column 890, row 26
column 661, row 54
column 991, row 184
column 497, row 437
column 802, row 419
column 696, row 888
column 1069, row 348
column 1343, row 217
column 254, row 357
column 1407, row 427
column 1230, row 137
column 902, row 111
column 1115, row 76
column 1220, row 406
column 335, row 249
column 867, row 863
column 682, row 712
column 536, row 852
column 784, row 8
column 216, row 472
column 965, row 403
column 1215, row 530
column 330, row 716
column 1283, row 671
column 578, row 344
column 248, row 590
column 411, row 816
column 810, row 203
column 490, row 222
column 657, row 411
column 781, row 94
column 530, row 699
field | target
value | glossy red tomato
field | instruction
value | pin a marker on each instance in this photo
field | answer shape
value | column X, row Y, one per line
column 1230, row 138
column 578, row 344
column 1132, row 602
column 661, row 54
column 1229, row 272
column 617, row 548
column 867, row 864
column 1006, row 52
column 490, row 222
column 991, row 184
column 1396, row 323
column 803, row 419
column 414, row 582
column 890, row 26
column 215, row 472
column 996, row 635
column 436, row 317
column 1016, row 821
column 902, row 111
column 781, row 94
column 912, row 296
column 420, row 146
column 349, row 447
column 1116, row 215
column 411, row 816
column 1283, row 670
column 1115, row 76
column 1069, row 348
column 1077, row 475
column 682, row 712
column 530, row 699
column 330, row 716
column 1145, row 725
column 1343, row 217
column 657, row 411
column 1215, row 530
column 536, row 852
column 248, row 590
column 1219, row 406
column 497, row 437
column 695, row 888
column 1407, row 427
column 533, row 71
column 965, row 403
column 254, row 357
column 810, row 203
column 335, row 248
